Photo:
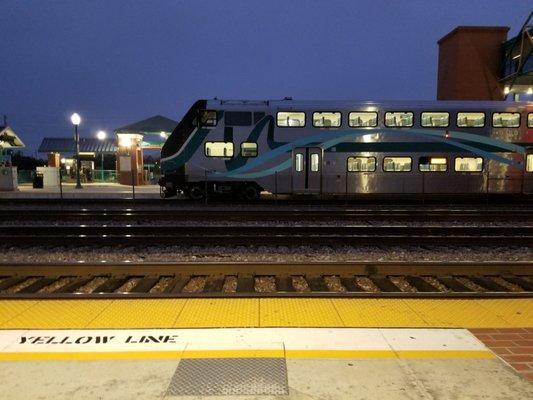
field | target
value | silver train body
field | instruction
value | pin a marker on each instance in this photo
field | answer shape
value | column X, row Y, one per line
column 350, row 147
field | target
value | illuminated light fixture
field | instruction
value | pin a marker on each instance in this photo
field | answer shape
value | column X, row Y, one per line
column 124, row 141
column 506, row 90
column 101, row 135
column 529, row 91
column 75, row 119
column 163, row 135
column 63, row 160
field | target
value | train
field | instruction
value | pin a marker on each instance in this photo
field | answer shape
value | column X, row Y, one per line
column 241, row 148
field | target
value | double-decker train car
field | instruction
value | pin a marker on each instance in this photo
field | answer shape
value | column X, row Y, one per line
column 240, row 148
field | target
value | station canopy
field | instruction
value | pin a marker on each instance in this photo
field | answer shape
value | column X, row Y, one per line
column 68, row 145
column 155, row 130
column 9, row 139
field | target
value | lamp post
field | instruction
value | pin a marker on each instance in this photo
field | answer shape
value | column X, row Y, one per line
column 76, row 119
column 101, row 135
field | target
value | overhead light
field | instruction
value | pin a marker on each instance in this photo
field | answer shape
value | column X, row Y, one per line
column 163, row 134
column 506, row 90
column 75, row 119
column 63, row 160
column 529, row 91
column 101, row 135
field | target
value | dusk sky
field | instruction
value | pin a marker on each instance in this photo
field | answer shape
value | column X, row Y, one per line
column 116, row 62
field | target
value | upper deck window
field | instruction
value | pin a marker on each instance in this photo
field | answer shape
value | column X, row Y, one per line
column 471, row 119
column 358, row 119
column 506, row 120
column 249, row 149
column 435, row 119
column 326, row 119
column 399, row 119
column 530, row 120
column 238, row 118
column 208, row 118
column 292, row 119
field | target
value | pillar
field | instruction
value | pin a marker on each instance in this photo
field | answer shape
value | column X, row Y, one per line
column 54, row 160
column 130, row 159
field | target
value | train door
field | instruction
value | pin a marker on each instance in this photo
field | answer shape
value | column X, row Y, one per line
column 528, row 173
column 307, row 170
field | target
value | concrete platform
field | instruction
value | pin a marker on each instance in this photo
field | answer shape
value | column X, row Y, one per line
column 89, row 190
column 315, row 363
column 267, row 348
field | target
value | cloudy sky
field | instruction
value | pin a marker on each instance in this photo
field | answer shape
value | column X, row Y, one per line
column 116, row 62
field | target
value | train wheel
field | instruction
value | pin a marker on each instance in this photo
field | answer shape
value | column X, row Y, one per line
column 196, row 192
column 251, row 193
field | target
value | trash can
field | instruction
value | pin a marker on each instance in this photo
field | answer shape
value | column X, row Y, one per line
column 38, row 180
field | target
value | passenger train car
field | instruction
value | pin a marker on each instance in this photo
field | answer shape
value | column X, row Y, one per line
column 348, row 147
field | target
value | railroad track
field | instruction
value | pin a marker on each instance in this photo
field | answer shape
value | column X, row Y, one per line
column 341, row 279
column 81, row 235
column 272, row 214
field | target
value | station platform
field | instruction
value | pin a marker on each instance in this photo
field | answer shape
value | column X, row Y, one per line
column 89, row 191
column 266, row 348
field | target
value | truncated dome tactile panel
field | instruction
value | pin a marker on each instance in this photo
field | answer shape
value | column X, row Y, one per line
column 229, row 376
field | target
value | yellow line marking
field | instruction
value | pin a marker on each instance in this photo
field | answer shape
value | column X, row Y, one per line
column 291, row 354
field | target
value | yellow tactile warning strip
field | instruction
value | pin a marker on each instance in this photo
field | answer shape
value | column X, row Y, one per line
column 271, row 312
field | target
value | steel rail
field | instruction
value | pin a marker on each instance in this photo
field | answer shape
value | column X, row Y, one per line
column 148, row 274
column 263, row 235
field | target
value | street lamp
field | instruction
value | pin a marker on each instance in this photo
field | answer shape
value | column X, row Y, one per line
column 76, row 119
column 101, row 135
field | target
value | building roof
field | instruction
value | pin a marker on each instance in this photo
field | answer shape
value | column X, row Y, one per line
column 68, row 145
column 9, row 139
column 155, row 124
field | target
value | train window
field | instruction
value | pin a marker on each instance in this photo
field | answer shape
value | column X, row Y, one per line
column 468, row 164
column 398, row 119
column 326, row 119
column 435, row 119
column 361, row 164
column 315, row 165
column 359, row 119
column 218, row 149
column 529, row 163
column 248, row 149
column 208, row 118
column 470, row 119
column 291, row 119
column 258, row 116
column 238, row 118
column 506, row 120
column 397, row 164
column 432, row 164
column 530, row 120
column 299, row 162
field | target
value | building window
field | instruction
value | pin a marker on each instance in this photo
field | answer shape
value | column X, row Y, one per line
column 506, row 120
column 398, row 119
column 315, row 164
column 291, row 119
column 397, row 164
column 358, row 119
column 208, row 118
column 469, row 164
column 326, row 119
column 470, row 119
column 248, row 149
column 238, row 118
column 432, row 164
column 219, row 149
column 529, row 163
column 435, row 119
column 361, row 164
column 530, row 120
column 299, row 162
